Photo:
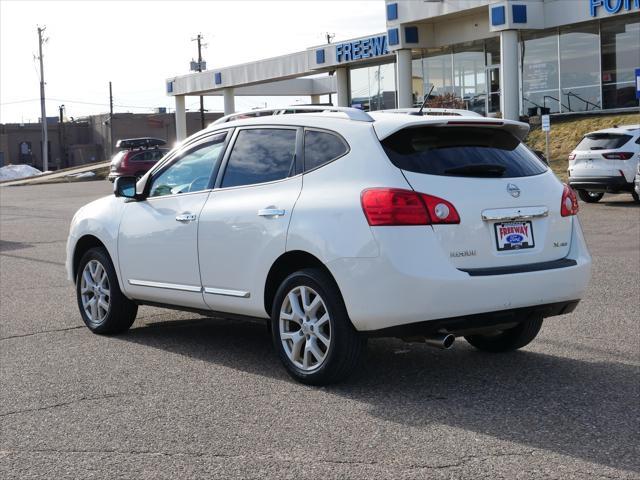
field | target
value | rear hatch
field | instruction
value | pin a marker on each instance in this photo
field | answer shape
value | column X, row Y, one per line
column 507, row 199
column 115, row 161
column 596, row 155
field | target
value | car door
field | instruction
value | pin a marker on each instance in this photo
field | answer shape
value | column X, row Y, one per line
column 157, row 240
column 243, row 226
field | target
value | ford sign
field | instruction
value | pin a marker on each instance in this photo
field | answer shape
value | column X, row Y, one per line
column 515, row 238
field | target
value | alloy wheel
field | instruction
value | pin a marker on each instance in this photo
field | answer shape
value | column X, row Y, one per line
column 305, row 328
column 95, row 292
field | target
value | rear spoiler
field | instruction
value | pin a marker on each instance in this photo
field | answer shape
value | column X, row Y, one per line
column 518, row 129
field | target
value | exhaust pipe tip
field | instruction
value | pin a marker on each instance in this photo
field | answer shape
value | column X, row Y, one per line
column 444, row 341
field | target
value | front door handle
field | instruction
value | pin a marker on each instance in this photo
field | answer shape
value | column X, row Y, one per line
column 271, row 212
column 186, row 217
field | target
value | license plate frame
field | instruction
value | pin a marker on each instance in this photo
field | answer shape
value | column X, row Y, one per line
column 518, row 236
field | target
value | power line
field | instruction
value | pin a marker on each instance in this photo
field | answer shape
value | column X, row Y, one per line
column 80, row 102
column 20, row 101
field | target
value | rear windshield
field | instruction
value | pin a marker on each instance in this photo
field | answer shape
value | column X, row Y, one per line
column 462, row 151
column 148, row 155
column 603, row 141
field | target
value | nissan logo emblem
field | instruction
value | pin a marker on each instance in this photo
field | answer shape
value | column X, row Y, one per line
column 513, row 190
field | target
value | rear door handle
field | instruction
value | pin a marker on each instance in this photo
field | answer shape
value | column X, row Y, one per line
column 186, row 217
column 271, row 212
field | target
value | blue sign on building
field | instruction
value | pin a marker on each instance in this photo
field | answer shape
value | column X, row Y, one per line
column 359, row 49
column 638, row 83
column 612, row 6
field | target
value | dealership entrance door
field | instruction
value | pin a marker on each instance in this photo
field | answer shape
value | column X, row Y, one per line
column 493, row 87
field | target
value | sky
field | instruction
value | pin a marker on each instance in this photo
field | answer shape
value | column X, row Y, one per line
column 138, row 44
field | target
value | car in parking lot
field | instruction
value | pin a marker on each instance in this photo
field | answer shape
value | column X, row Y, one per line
column 338, row 226
column 137, row 156
column 606, row 161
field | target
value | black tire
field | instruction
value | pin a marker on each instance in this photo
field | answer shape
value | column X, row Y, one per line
column 346, row 345
column 636, row 197
column 507, row 340
column 121, row 312
column 590, row 197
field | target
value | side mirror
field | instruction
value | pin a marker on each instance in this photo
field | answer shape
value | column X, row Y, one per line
column 125, row 187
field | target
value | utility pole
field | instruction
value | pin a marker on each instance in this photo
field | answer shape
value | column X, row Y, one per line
column 62, row 138
column 43, row 110
column 199, row 39
column 110, row 120
column 330, row 36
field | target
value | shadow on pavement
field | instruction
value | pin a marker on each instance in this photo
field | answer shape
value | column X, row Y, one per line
column 6, row 245
column 571, row 407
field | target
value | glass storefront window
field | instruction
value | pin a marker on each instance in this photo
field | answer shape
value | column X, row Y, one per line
column 620, row 58
column 492, row 50
column 579, row 68
column 438, row 73
column 469, row 76
column 540, row 82
column 373, row 88
column 417, row 81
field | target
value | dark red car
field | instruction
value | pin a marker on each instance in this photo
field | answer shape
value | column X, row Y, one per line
column 137, row 157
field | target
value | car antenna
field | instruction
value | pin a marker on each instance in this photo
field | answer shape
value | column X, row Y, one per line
column 424, row 103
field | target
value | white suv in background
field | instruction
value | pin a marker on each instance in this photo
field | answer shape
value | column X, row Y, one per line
column 605, row 161
column 338, row 226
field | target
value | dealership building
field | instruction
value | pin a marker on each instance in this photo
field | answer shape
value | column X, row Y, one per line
column 508, row 58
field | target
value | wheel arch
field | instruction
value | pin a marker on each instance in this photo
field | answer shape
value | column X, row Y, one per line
column 285, row 265
column 84, row 244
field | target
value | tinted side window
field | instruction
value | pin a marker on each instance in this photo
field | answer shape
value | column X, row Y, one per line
column 321, row 148
column 191, row 172
column 466, row 151
column 260, row 155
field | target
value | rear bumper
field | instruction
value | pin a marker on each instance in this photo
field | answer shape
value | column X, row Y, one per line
column 601, row 184
column 465, row 323
column 401, row 287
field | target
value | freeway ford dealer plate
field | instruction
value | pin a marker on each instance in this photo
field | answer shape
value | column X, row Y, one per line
column 514, row 235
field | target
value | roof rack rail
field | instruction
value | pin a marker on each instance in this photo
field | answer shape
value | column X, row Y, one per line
column 352, row 113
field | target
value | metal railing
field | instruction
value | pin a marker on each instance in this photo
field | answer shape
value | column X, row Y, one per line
column 587, row 102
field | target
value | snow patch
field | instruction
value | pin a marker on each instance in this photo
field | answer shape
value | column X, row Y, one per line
column 14, row 172
column 82, row 175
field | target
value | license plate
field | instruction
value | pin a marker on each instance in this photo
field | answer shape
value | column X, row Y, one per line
column 514, row 235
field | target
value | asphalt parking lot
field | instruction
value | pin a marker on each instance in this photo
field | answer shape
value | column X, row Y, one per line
column 184, row 396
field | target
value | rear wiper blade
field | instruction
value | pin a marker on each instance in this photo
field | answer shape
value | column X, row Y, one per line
column 597, row 148
column 478, row 169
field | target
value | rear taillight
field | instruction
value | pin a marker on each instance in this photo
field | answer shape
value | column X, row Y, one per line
column 572, row 156
column 569, row 204
column 395, row 206
column 440, row 210
column 618, row 155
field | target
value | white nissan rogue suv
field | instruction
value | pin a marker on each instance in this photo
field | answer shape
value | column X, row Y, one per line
column 337, row 226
